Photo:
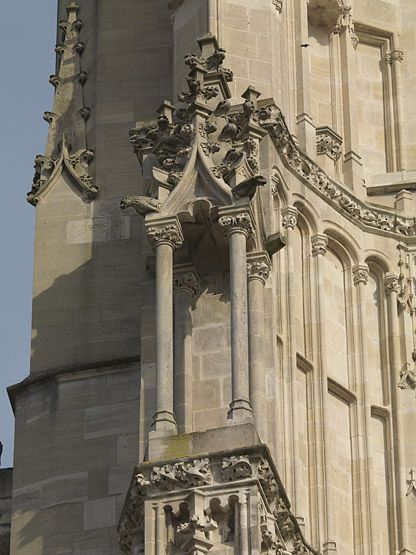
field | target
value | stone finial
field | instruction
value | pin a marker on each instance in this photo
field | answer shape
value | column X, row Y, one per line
column 258, row 266
column 391, row 283
column 360, row 274
column 319, row 244
column 166, row 231
column 289, row 217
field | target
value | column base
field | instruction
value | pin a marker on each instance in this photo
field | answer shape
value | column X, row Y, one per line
column 330, row 547
column 164, row 421
column 240, row 409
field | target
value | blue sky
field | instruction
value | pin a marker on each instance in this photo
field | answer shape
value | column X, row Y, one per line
column 27, row 59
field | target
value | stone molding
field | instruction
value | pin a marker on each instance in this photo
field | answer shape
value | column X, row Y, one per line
column 319, row 244
column 258, row 266
column 289, row 217
column 186, row 278
column 360, row 274
column 196, row 480
column 237, row 220
column 328, row 142
column 69, row 111
column 367, row 217
column 165, row 231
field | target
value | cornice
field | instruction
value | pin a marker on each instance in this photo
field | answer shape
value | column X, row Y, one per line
column 365, row 216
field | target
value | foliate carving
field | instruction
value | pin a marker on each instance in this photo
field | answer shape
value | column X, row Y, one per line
column 328, row 142
column 189, row 513
column 268, row 481
column 258, row 266
column 412, row 482
column 391, row 283
column 271, row 118
column 235, row 468
column 345, row 22
column 360, row 274
column 205, row 127
column 68, row 115
column 184, row 474
column 165, row 233
column 394, row 56
column 319, row 244
column 408, row 374
column 186, row 279
column 289, row 217
column 278, row 4
column 241, row 222
column 407, row 282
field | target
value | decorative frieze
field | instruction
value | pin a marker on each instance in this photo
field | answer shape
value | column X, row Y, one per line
column 179, row 493
column 328, row 142
column 165, row 231
column 319, row 244
column 289, row 217
column 360, row 274
column 394, row 56
column 258, row 266
column 310, row 173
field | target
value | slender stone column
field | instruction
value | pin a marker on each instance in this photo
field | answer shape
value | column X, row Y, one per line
column 258, row 269
column 325, row 497
column 165, row 235
column 391, row 285
column 368, row 487
column 186, row 286
column 289, row 222
column 238, row 225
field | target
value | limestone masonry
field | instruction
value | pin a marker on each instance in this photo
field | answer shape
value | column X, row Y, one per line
column 224, row 304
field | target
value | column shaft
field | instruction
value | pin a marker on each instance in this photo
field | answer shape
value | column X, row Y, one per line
column 164, row 417
column 240, row 405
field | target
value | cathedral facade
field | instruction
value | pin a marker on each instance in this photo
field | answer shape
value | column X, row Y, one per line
column 224, row 306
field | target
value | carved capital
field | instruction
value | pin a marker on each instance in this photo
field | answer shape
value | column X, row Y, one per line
column 360, row 274
column 328, row 142
column 319, row 244
column 185, row 278
column 289, row 217
column 165, row 232
column 411, row 482
column 391, row 283
column 394, row 56
column 258, row 266
column 236, row 220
